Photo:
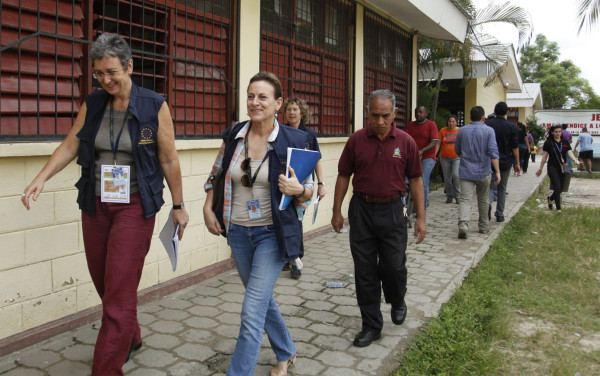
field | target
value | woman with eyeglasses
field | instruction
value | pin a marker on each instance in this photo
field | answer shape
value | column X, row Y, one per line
column 123, row 139
column 253, row 158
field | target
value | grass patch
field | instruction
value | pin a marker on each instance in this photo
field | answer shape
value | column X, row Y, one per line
column 531, row 307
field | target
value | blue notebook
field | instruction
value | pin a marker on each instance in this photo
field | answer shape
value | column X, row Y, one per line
column 303, row 162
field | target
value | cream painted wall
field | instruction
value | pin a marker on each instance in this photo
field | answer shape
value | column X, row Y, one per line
column 525, row 113
column 249, row 50
column 476, row 94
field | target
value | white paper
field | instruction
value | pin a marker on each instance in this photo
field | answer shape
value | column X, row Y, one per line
column 170, row 240
column 316, row 208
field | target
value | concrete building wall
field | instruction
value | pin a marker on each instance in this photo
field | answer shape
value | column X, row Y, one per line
column 476, row 94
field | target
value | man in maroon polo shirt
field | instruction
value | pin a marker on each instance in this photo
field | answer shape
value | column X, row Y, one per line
column 380, row 157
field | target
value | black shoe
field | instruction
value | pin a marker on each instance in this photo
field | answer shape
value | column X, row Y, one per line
column 399, row 313
column 295, row 272
column 366, row 337
column 489, row 212
column 448, row 200
column 462, row 234
column 499, row 218
column 550, row 203
column 286, row 267
column 457, row 200
column 133, row 348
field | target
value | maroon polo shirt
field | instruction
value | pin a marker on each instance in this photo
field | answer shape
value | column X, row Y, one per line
column 380, row 166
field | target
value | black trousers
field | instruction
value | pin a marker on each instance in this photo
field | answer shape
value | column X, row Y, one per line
column 557, row 180
column 378, row 245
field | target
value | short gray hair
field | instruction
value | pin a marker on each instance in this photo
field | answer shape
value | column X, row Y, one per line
column 382, row 93
column 111, row 45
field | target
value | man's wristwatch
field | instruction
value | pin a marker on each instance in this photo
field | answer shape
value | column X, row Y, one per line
column 179, row 207
column 321, row 183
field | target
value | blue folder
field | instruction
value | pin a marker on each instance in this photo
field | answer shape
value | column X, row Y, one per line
column 303, row 162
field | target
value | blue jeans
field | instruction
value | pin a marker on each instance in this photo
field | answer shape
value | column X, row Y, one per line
column 427, row 165
column 501, row 192
column 258, row 262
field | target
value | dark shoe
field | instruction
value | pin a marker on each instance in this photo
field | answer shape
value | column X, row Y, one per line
column 399, row 313
column 295, row 272
column 550, row 203
column 489, row 212
column 133, row 348
column 448, row 200
column 366, row 337
column 462, row 234
column 499, row 218
column 286, row 267
column 457, row 200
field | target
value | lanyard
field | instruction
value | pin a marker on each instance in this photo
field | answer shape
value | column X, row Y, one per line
column 114, row 147
column 253, row 178
column 558, row 152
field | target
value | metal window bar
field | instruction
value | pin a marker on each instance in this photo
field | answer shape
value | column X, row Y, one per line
column 43, row 53
column 387, row 56
column 306, row 43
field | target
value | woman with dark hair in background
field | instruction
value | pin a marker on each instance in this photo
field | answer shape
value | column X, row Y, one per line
column 449, row 159
column 297, row 113
column 556, row 149
column 123, row 138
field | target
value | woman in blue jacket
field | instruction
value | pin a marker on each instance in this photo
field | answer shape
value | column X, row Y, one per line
column 262, row 237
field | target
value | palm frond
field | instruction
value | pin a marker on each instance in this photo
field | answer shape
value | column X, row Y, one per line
column 510, row 14
column 588, row 14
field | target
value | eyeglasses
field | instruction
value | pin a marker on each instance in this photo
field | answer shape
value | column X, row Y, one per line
column 100, row 75
column 245, row 165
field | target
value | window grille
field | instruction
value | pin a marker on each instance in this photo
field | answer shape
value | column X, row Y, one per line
column 182, row 49
column 306, row 43
column 387, row 56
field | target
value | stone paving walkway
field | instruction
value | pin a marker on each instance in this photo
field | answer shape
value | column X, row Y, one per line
column 193, row 331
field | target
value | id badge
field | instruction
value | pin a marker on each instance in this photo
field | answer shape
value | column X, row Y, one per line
column 253, row 209
column 115, row 184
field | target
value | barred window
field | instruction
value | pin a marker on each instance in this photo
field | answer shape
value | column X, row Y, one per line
column 306, row 43
column 387, row 56
column 181, row 49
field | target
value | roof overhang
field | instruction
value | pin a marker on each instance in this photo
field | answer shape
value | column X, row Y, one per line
column 511, row 76
column 440, row 19
column 531, row 96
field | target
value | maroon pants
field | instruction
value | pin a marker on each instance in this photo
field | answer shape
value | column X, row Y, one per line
column 116, row 241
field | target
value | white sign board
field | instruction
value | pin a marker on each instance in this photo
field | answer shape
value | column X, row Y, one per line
column 575, row 120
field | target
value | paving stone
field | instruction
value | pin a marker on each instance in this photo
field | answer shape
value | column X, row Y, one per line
column 201, row 322
column 58, row 343
column 71, row 368
column 24, row 372
column 39, row 359
column 320, row 316
column 203, row 310
column 154, row 358
column 175, row 303
column 211, row 301
column 325, row 329
column 172, row 314
column 161, row 341
column 194, row 352
column 83, row 353
column 336, row 358
column 163, row 326
column 318, row 305
column 189, row 369
column 197, row 335
column 331, row 342
column 146, row 372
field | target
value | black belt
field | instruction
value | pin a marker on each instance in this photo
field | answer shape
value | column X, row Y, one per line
column 369, row 198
